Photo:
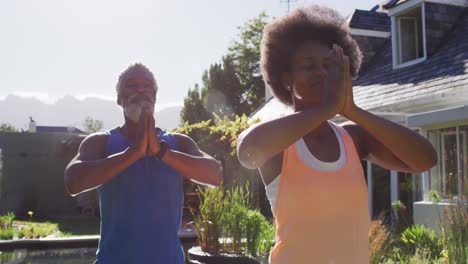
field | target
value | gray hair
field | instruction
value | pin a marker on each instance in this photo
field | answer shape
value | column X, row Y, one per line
column 134, row 68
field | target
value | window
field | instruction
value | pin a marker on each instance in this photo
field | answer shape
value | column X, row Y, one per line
column 408, row 37
column 449, row 177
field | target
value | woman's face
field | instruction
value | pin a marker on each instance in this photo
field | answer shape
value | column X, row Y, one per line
column 308, row 72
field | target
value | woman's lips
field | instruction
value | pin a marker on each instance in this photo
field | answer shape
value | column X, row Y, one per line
column 317, row 83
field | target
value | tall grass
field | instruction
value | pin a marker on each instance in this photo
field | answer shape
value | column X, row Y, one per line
column 237, row 210
column 380, row 240
column 208, row 222
column 227, row 216
column 455, row 231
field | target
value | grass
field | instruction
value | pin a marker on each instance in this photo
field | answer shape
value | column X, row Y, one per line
column 37, row 228
column 26, row 229
column 82, row 226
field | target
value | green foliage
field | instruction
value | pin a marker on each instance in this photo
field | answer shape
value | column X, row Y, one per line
column 226, row 215
column 6, row 221
column 417, row 238
column 65, row 234
column 37, row 230
column 266, row 240
column 92, row 125
column 219, row 138
column 400, row 217
column 234, row 86
column 398, row 205
column 259, row 238
column 24, row 229
column 7, row 127
column 380, row 240
column 455, row 232
column 7, row 233
column 194, row 110
column 237, row 209
column 222, row 91
column 208, row 221
column 245, row 53
column 434, row 196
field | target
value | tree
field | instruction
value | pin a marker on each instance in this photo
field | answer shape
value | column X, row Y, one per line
column 222, row 89
column 92, row 125
column 7, row 127
column 218, row 137
column 235, row 85
column 194, row 110
column 245, row 53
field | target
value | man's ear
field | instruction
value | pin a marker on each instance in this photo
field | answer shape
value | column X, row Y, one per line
column 286, row 81
column 119, row 100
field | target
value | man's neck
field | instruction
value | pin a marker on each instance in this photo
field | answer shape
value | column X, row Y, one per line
column 130, row 130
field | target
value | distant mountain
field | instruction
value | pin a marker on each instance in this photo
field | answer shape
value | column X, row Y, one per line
column 69, row 111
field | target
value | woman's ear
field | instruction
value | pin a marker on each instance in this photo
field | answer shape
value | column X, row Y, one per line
column 286, row 81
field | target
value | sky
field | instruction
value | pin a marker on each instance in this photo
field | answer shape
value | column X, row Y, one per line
column 53, row 48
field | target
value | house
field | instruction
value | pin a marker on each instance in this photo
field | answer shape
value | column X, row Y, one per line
column 415, row 72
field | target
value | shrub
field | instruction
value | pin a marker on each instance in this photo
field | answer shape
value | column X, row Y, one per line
column 380, row 240
column 419, row 239
column 455, row 232
column 7, row 233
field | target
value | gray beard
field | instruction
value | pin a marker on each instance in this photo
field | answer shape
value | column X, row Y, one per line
column 134, row 111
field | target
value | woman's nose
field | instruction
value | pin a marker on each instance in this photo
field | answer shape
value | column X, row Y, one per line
column 322, row 72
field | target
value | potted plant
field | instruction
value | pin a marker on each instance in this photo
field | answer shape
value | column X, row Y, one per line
column 228, row 230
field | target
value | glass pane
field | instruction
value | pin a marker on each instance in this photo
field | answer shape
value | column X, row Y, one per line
column 408, row 39
column 464, row 159
column 443, row 177
column 380, row 191
column 410, row 32
column 408, row 193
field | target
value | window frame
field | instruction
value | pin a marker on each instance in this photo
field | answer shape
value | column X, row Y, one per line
column 396, row 36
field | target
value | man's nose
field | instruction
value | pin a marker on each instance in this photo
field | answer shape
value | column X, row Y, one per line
column 141, row 88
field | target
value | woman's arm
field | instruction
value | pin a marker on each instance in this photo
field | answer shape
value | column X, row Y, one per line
column 385, row 143
column 260, row 143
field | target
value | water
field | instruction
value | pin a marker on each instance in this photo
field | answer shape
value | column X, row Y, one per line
column 49, row 256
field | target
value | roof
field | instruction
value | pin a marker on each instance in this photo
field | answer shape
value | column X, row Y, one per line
column 444, row 73
column 440, row 82
column 271, row 109
column 370, row 20
column 58, row 129
column 392, row 3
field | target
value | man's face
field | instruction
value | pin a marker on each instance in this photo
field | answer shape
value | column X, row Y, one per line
column 138, row 93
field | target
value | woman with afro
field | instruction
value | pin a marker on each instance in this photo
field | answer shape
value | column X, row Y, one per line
column 310, row 166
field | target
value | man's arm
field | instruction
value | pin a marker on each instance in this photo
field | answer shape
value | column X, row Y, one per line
column 193, row 163
column 90, row 168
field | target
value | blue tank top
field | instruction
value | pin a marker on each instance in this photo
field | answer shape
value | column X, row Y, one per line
column 141, row 210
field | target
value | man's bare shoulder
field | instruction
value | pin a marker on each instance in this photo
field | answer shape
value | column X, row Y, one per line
column 93, row 146
column 182, row 138
column 186, row 144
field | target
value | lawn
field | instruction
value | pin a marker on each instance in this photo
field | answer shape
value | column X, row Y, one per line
column 10, row 228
